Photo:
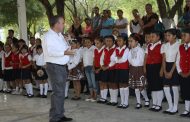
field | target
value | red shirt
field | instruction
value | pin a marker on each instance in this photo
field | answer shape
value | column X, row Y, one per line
column 124, row 65
column 184, row 62
column 16, row 61
column 154, row 56
column 8, row 60
column 24, row 59
column 97, row 56
column 107, row 56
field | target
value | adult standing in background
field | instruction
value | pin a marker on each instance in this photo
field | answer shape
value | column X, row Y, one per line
column 122, row 24
column 56, row 55
column 136, row 24
column 11, row 35
column 106, row 24
column 149, row 20
column 95, row 22
column 76, row 30
column 184, row 22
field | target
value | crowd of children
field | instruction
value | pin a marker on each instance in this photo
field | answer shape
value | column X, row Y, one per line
column 112, row 66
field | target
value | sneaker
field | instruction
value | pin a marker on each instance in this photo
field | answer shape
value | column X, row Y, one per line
column 88, row 99
column 93, row 100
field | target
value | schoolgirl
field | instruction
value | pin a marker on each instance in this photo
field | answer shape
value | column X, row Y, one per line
column 137, row 76
column 120, row 58
column 75, row 67
column 183, row 68
column 25, row 65
column 40, row 72
column 154, row 71
column 171, row 77
column 108, row 72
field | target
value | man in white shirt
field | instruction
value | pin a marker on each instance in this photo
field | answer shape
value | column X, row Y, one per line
column 56, row 55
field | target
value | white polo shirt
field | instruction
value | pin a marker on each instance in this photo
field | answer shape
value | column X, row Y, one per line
column 39, row 59
column 87, row 56
column 171, row 51
column 54, row 45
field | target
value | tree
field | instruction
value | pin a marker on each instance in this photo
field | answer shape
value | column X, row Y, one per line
column 167, row 12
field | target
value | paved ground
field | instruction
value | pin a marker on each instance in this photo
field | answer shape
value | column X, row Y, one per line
column 21, row 109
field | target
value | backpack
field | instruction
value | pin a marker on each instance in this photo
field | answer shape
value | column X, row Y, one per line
column 159, row 26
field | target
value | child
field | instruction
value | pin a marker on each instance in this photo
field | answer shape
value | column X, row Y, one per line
column 136, row 60
column 153, row 61
column 74, row 68
column 183, row 68
column 41, row 74
column 98, row 71
column 147, row 40
column 25, row 65
column 88, row 52
column 16, row 69
column 108, row 72
column 120, row 57
column 7, row 68
column 171, row 77
column 1, row 73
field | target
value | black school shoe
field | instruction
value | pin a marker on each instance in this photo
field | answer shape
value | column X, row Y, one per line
column 173, row 113
column 114, row 104
column 138, row 106
column 44, row 96
column 185, row 115
column 66, row 119
column 125, row 106
column 30, row 96
column 159, row 109
column 39, row 96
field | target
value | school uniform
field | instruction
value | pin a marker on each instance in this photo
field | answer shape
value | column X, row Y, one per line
column 7, row 66
column 183, row 65
column 97, row 55
column 75, row 67
column 121, row 65
column 136, row 60
column 16, row 67
column 153, row 66
column 108, row 75
column 39, row 60
column 170, row 52
column 25, row 60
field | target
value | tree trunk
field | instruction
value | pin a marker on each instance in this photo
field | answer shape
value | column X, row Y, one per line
column 60, row 5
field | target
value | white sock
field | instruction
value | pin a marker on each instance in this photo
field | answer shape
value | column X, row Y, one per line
column 176, row 98
column 1, row 84
column 154, row 98
column 144, row 94
column 101, row 93
column 45, row 88
column 67, row 88
column 187, row 105
column 160, row 96
column 168, row 97
column 27, row 88
column 105, row 94
column 138, row 95
column 111, row 95
column 126, row 94
column 30, row 88
column 122, row 95
column 115, row 94
column 41, row 89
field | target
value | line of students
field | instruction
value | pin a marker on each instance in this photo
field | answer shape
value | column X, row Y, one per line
column 160, row 68
column 17, row 70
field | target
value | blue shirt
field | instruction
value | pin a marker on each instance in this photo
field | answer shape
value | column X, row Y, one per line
column 107, row 23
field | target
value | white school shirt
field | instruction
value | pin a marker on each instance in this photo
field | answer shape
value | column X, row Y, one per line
column 102, row 58
column 3, row 61
column 54, row 46
column 123, row 59
column 178, row 59
column 136, row 56
column 171, row 51
column 80, row 50
column 87, row 56
column 39, row 59
column 74, row 59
